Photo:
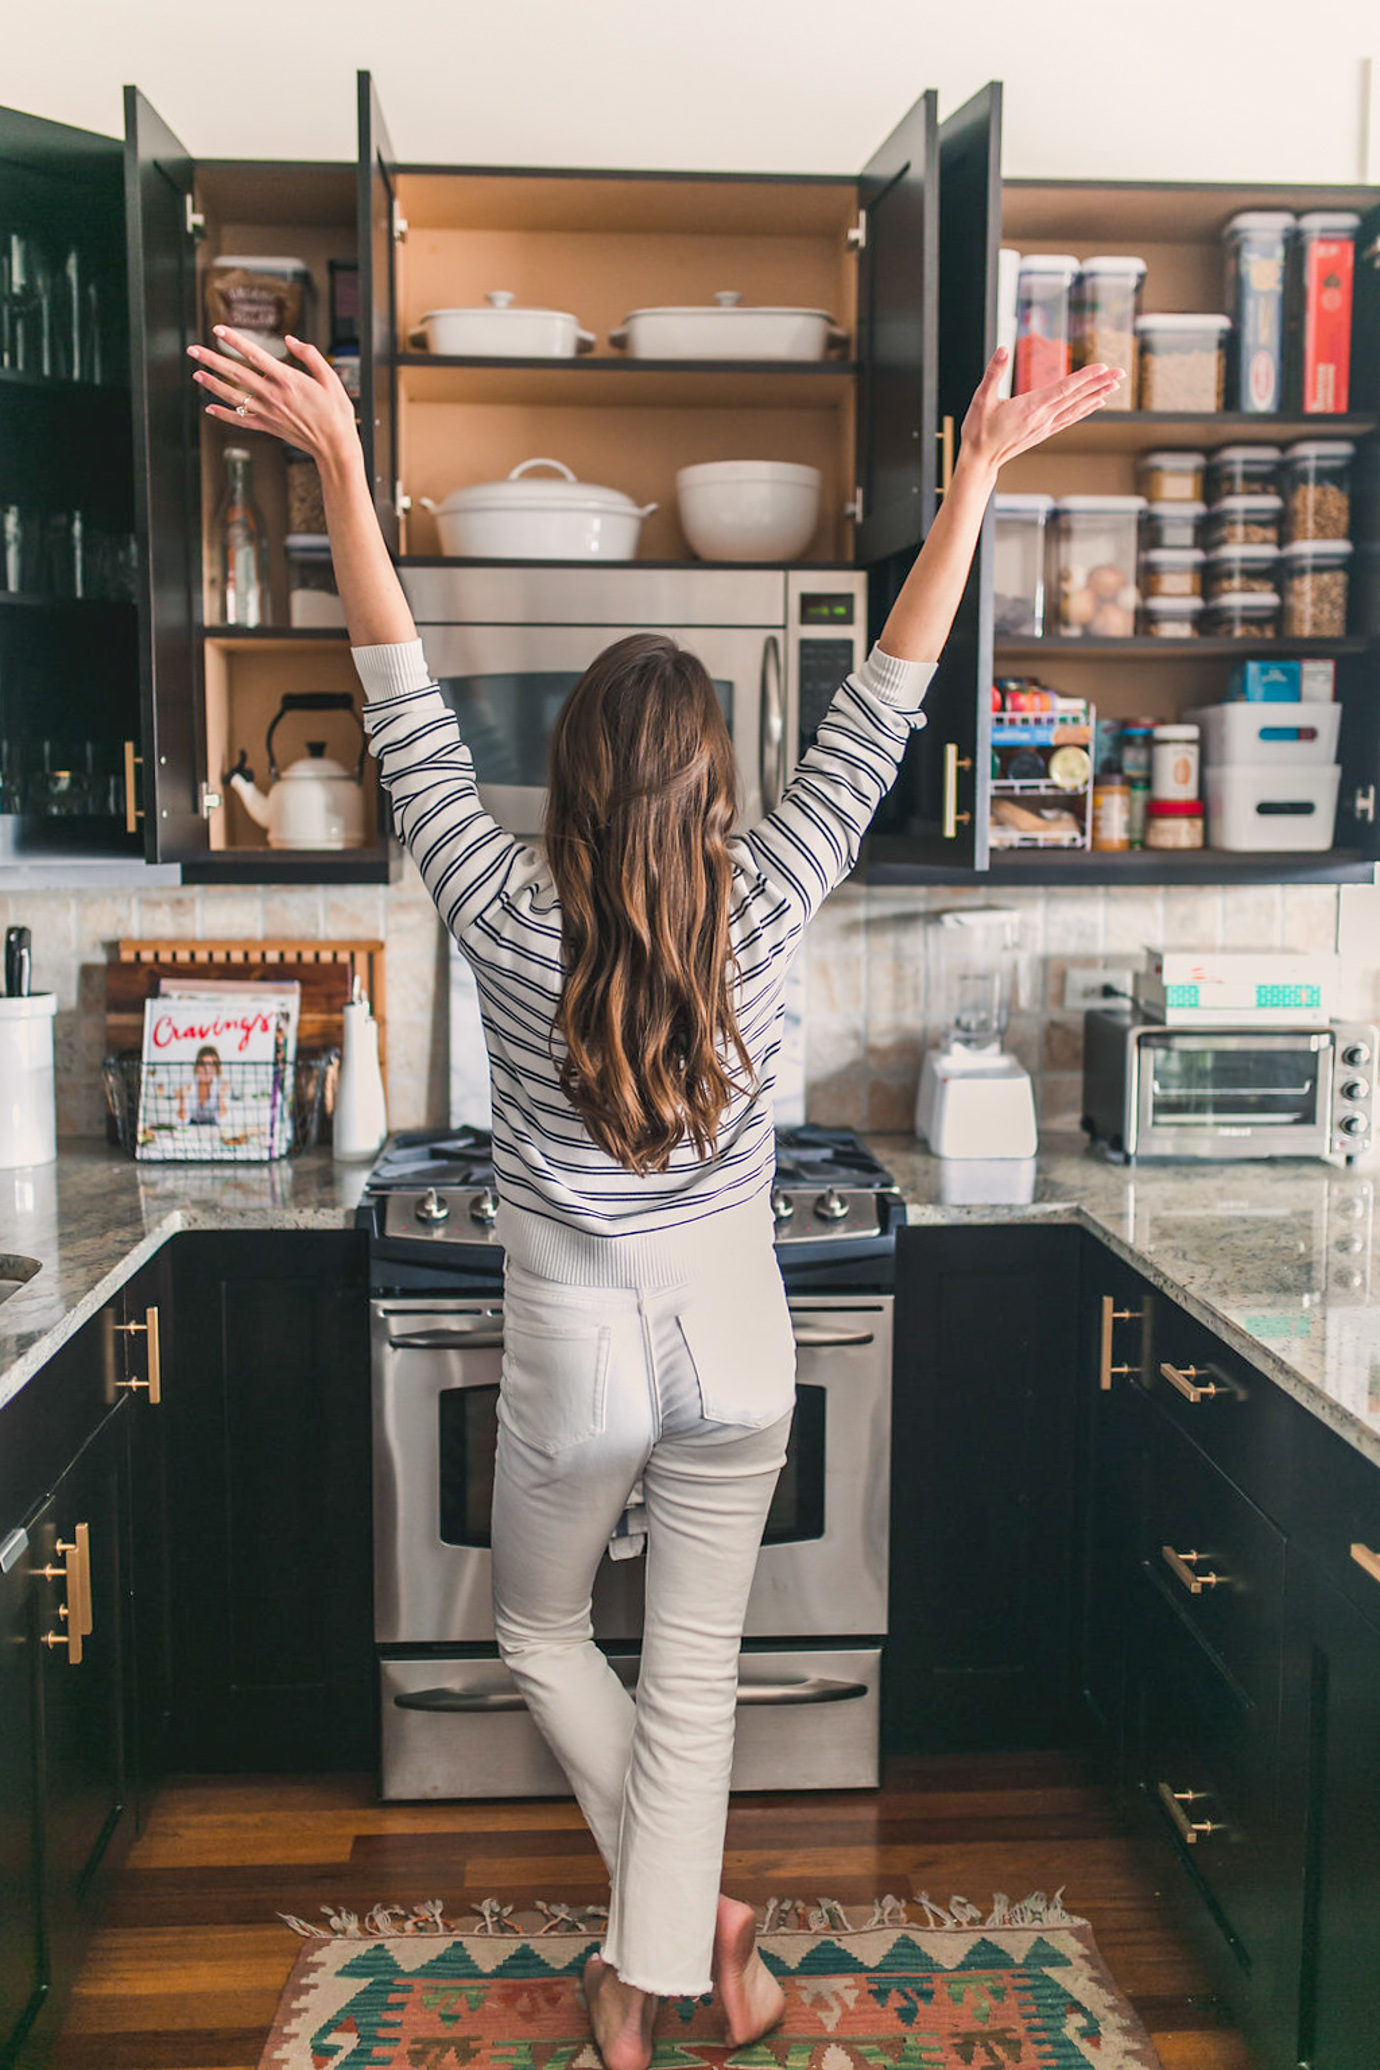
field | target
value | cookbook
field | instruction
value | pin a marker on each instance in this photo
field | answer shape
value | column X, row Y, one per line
column 217, row 1075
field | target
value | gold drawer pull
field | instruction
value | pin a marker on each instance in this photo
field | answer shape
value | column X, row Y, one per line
column 1366, row 1560
column 1181, row 1567
column 1111, row 1314
column 1185, row 1378
column 1188, row 1829
column 75, row 1613
column 134, row 811
column 149, row 1327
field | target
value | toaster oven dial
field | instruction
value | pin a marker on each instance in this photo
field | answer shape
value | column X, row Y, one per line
column 1356, row 1053
column 1356, row 1089
column 1353, row 1125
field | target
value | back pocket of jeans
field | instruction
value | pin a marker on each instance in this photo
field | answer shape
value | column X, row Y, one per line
column 552, row 1393
column 744, row 1357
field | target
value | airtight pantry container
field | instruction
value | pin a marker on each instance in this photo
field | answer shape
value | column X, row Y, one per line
column 1315, row 477
column 1018, row 578
column 1237, row 570
column 1242, row 471
column 1171, row 571
column 1257, row 244
column 1313, row 581
column 1250, row 806
column 1182, row 362
column 1243, row 521
column 1246, row 615
column 1093, row 554
column 1172, row 524
column 1322, row 266
column 1106, row 303
column 1171, row 477
column 1171, row 618
column 1044, row 348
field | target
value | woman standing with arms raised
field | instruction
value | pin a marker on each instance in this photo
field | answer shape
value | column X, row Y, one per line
column 630, row 981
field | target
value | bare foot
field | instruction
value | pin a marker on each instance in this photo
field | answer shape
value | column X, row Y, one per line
column 753, row 2000
column 621, row 2015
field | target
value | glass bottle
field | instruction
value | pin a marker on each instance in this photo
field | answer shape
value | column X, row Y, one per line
column 241, row 545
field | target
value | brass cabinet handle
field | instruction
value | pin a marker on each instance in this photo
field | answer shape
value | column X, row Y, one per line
column 148, row 1327
column 1366, row 1560
column 953, row 818
column 75, row 1613
column 1188, row 1829
column 1112, row 1314
column 134, row 811
column 945, row 435
column 1185, row 1378
column 1182, row 1568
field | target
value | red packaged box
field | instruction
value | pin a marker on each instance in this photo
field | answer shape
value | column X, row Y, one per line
column 1323, row 264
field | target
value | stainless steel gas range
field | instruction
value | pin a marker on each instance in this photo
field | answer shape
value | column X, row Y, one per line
column 453, row 1724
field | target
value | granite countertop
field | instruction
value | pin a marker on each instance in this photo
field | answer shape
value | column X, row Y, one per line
column 1283, row 1260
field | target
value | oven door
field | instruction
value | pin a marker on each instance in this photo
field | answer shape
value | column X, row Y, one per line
column 1233, row 1095
column 507, row 683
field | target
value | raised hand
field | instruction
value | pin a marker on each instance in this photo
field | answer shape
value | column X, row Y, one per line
column 307, row 406
column 994, row 431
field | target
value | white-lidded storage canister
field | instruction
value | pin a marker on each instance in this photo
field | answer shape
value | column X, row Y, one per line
column 28, row 1113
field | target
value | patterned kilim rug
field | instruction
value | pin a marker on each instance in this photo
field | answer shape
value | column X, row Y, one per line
column 913, row 1986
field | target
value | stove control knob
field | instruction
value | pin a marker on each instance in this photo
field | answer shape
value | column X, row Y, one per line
column 831, row 1206
column 782, row 1206
column 1354, row 1125
column 431, row 1208
column 484, row 1208
column 1356, row 1089
column 1356, row 1053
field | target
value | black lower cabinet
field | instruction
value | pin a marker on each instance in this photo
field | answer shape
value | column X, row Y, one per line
column 985, row 1469
column 139, row 1327
column 22, row 1969
column 269, row 1502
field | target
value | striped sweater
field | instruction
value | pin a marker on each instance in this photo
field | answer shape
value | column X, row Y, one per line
column 562, row 1197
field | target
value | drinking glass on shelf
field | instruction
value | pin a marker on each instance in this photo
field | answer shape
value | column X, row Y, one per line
column 11, row 548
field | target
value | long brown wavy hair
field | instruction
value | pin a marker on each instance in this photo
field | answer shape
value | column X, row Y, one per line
column 640, row 804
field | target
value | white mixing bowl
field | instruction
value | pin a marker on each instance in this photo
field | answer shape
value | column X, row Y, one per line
column 748, row 510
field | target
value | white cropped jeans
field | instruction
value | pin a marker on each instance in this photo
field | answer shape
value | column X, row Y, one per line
column 603, row 1386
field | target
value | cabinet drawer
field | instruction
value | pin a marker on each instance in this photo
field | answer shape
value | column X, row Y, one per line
column 1335, row 1512
column 1219, row 1560
column 1237, row 1416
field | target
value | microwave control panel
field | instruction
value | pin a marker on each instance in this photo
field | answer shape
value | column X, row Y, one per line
column 823, row 664
column 1353, row 1086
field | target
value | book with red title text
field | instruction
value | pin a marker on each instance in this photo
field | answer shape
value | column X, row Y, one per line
column 217, row 1074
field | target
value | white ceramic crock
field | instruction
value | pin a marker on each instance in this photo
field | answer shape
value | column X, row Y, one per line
column 726, row 329
column 521, row 520
column 748, row 510
column 28, row 1118
column 502, row 330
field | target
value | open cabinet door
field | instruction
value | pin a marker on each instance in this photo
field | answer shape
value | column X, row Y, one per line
column 898, row 333
column 377, row 325
column 160, row 237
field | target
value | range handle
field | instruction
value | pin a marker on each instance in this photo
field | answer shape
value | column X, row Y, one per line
column 448, row 1340
column 814, row 1689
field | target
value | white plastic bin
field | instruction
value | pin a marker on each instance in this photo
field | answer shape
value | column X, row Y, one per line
column 1249, row 807
column 1269, row 736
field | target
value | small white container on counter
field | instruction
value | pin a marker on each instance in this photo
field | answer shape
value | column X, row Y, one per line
column 28, row 1118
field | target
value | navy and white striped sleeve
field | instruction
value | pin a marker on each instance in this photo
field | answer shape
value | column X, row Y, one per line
column 466, row 858
column 811, row 840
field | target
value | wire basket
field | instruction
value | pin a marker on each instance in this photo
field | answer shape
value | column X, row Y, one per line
column 246, row 1114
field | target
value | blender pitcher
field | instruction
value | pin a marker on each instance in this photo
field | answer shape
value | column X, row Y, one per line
column 976, row 1100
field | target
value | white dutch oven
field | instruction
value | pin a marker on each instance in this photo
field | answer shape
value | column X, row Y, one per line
column 748, row 510
column 727, row 330
column 502, row 331
column 521, row 520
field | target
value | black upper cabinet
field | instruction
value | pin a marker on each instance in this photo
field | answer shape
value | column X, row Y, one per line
column 377, row 319
column 160, row 219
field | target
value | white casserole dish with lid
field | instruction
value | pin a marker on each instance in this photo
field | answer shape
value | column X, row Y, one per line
column 728, row 329
column 521, row 520
column 501, row 330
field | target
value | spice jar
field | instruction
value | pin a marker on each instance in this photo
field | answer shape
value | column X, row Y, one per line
column 1172, row 571
column 1106, row 303
column 1314, row 583
column 1043, row 345
column 1243, row 521
column 1246, row 615
column 1111, row 815
column 1174, row 823
column 1165, row 477
column 1172, row 524
column 1232, row 570
column 1242, row 471
column 1316, row 479
column 1174, row 762
column 1171, row 618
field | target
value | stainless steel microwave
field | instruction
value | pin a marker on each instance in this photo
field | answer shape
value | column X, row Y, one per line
column 508, row 644
column 1153, row 1091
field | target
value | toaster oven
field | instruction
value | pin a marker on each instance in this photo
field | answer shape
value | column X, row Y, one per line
column 1154, row 1091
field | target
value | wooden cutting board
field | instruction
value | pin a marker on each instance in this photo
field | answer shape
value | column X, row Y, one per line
column 324, row 970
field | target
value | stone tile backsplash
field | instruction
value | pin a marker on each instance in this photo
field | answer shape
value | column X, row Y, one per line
column 868, row 1014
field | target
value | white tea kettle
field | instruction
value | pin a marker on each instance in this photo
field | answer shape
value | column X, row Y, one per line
column 315, row 802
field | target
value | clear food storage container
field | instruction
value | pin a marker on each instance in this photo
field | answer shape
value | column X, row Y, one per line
column 1257, row 244
column 1315, row 476
column 1251, row 614
column 1272, row 736
column 1171, row 477
column 1243, row 521
column 1171, row 571
column 1322, row 267
column 1171, row 618
column 1094, row 556
column 1313, row 578
column 1043, row 313
column 1019, row 564
column 1172, row 524
column 1242, row 471
column 1182, row 362
column 1250, row 806
column 1106, row 303
column 1238, row 570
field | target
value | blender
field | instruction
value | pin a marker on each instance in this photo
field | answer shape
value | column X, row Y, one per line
column 975, row 1099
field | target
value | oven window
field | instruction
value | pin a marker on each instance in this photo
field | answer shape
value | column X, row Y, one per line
column 1207, row 1085
column 506, row 719
column 797, row 1507
column 467, row 1439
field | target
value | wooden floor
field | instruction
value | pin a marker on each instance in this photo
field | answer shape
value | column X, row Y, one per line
column 187, row 1972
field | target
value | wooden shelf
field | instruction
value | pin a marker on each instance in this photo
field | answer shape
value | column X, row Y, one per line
column 289, row 866
column 597, row 202
column 882, row 865
column 1139, row 431
column 648, row 383
column 1067, row 647
column 1055, row 215
column 821, row 567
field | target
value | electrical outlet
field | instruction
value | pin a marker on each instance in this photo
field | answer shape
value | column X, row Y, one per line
column 1096, row 984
